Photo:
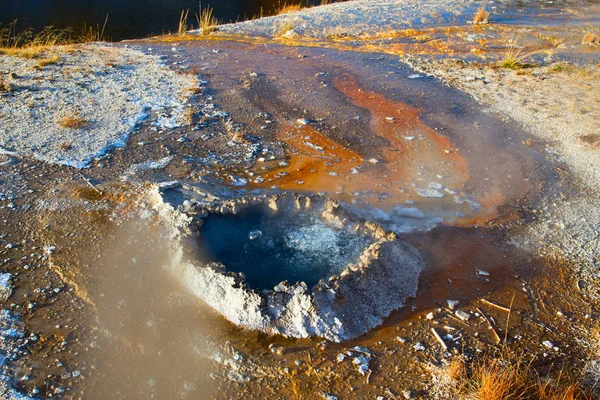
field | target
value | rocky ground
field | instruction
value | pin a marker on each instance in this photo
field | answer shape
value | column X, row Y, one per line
column 509, row 240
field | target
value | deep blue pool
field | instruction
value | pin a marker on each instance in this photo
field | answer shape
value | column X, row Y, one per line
column 270, row 248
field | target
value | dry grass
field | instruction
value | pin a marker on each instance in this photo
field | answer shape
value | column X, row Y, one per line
column 27, row 44
column 189, row 115
column 285, row 28
column 509, row 377
column 481, row 17
column 515, row 55
column 457, row 371
column 590, row 38
column 183, row 26
column 286, row 8
column 207, row 23
column 72, row 120
column 5, row 86
column 44, row 62
column 89, row 34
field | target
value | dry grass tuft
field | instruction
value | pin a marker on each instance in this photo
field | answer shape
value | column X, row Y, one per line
column 508, row 376
column 457, row 371
column 183, row 26
column 91, row 34
column 481, row 17
column 27, row 44
column 189, row 115
column 498, row 380
column 207, row 23
column 515, row 56
column 44, row 62
column 590, row 38
column 284, row 29
column 72, row 120
column 289, row 8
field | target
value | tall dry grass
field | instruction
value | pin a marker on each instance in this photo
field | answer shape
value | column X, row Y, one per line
column 207, row 23
column 28, row 44
column 511, row 377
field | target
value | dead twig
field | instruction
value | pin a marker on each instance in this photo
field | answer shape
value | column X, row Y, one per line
column 508, row 319
column 439, row 339
column 498, row 306
column 90, row 183
column 496, row 336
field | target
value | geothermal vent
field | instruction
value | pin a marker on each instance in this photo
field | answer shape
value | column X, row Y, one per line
column 286, row 263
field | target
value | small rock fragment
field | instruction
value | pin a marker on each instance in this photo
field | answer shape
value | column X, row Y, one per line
column 465, row 316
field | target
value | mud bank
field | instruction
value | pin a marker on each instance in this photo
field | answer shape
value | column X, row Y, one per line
column 338, row 307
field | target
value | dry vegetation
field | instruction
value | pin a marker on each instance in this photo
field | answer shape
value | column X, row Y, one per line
column 590, row 38
column 183, row 26
column 44, row 62
column 72, row 120
column 286, row 8
column 481, row 17
column 285, row 28
column 207, row 23
column 515, row 55
column 510, row 377
column 28, row 44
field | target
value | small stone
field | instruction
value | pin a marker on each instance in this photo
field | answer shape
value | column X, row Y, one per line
column 548, row 344
column 429, row 316
column 465, row 316
column 255, row 234
column 302, row 121
column 452, row 303
column 419, row 346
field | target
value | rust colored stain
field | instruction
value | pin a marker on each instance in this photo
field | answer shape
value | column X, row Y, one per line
column 414, row 156
column 316, row 163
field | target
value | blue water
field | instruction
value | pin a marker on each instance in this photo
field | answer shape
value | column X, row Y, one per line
column 270, row 249
column 127, row 19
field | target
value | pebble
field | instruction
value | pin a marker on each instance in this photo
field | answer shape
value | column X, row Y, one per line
column 452, row 303
column 419, row 346
column 465, row 316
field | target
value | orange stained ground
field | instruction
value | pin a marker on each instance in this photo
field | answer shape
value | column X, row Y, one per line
column 415, row 155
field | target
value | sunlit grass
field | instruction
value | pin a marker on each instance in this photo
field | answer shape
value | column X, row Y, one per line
column 28, row 44
column 481, row 17
column 207, row 23
column 72, row 120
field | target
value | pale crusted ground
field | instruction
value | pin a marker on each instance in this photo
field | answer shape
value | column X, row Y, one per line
column 107, row 89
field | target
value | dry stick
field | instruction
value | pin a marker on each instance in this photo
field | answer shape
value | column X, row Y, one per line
column 508, row 319
column 439, row 339
column 103, row 27
column 498, row 340
column 522, row 315
column 90, row 183
column 489, row 303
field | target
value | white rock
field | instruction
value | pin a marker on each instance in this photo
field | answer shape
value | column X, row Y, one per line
column 429, row 193
column 465, row 316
